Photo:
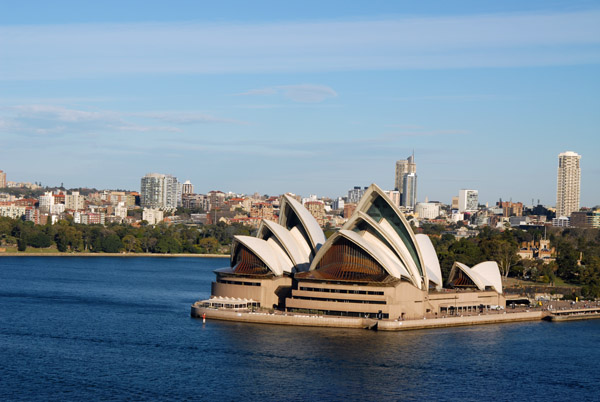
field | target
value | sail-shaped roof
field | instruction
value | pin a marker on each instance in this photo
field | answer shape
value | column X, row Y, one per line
column 483, row 275
column 380, row 208
column 293, row 215
column 298, row 253
column 432, row 264
column 489, row 272
column 371, row 248
column 361, row 222
column 268, row 251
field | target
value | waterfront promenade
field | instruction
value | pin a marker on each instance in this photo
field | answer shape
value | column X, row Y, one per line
column 280, row 318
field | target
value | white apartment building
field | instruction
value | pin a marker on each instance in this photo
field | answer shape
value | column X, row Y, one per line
column 46, row 201
column 160, row 191
column 152, row 215
column 568, row 183
column 12, row 211
column 121, row 210
column 427, row 210
column 74, row 201
column 468, row 200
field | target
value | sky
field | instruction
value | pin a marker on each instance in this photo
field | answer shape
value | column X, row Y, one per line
column 306, row 97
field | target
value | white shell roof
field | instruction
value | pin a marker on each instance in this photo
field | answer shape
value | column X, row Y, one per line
column 386, row 259
column 483, row 274
column 268, row 251
column 432, row 264
column 314, row 231
column 298, row 253
column 490, row 274
column 388, row 233
column 366, row 202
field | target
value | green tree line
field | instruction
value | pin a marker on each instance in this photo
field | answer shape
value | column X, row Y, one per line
column 67, row 236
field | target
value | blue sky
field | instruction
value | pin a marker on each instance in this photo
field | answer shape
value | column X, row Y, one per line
column 306, row 97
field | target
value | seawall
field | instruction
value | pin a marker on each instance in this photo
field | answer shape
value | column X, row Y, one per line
column 356, row 322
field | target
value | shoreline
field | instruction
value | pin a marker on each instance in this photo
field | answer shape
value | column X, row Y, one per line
column 127, row 255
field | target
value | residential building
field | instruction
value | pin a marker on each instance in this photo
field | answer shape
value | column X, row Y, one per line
column 454, row 203
column 427, row 210
column 121, row 210
column 152, row 215
column 355, row 194
column 349, row 209
column 394, row 196
column 468, row 200
column 2, row 179
column 510, row 208
column 263, row 210
column 586, row 219
column 160, row 191
column 317, row 210
column 338, row 204
column 12, row 211
column 46, row 201
column 561, row 222
column 216, row 200
column 568, row 183
column 187, row 188
column 74, row 201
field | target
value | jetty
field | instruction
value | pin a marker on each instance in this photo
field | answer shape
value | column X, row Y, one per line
column 574, row 314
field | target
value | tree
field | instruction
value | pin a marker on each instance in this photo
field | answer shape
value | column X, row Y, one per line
column 209, row 245
column 130, row 243
column 505, row 253
column 112, row 244
column 168, row 245
column 21, row 244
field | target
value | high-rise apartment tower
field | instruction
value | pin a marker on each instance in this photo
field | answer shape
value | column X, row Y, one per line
column 568, row 183
column 405, row 167
column 160, row 191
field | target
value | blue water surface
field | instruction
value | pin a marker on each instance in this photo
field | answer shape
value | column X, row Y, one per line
column 120, row 329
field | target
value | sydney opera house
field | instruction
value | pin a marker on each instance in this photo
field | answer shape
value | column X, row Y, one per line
column 374, row 266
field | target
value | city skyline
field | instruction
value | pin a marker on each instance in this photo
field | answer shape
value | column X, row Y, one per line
column 279, row 98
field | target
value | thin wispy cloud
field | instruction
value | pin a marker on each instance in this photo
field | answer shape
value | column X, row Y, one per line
column 304, row 93
column 50, row 120
column 473, row 41
column 187, row 117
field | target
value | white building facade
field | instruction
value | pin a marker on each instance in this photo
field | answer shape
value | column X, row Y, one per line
column 568, row 183
column 468, row 200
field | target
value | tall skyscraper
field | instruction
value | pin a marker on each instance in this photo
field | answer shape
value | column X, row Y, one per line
column 403, row 168
column 568, row 184
column 160, row 191
column 2, row 179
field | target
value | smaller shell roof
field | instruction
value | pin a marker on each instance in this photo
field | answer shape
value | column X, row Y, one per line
column 467, row 271
column 490, row 274
column 484, row 274
column 270, row 254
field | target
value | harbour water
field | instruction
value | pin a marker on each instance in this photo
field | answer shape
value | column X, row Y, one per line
column 119, row 329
